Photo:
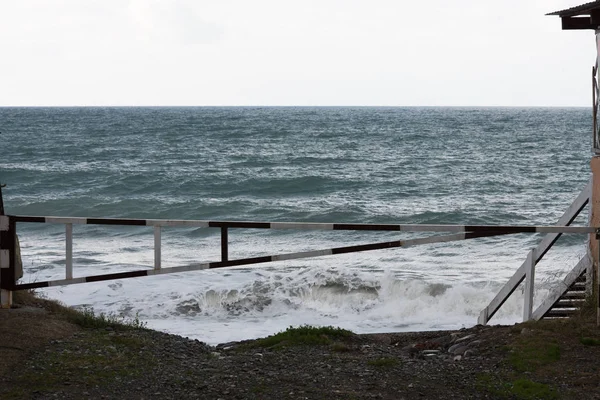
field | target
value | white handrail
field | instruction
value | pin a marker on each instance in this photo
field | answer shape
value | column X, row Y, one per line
column 537, row 254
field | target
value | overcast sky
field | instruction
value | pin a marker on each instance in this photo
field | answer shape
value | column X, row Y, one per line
column 280, row 52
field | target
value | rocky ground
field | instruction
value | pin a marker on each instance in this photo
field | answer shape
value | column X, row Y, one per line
column 45, row 353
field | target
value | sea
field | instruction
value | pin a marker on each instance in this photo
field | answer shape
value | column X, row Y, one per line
column 384, row 165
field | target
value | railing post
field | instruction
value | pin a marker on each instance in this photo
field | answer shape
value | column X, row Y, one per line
column 598, row 280
column 69, row 250
column 157, row 244
column 224, row 244
column 483, row 317
column 1, row 200
column 529, row 286
column 7, row 260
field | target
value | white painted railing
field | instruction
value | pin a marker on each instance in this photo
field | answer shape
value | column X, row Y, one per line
column 527, row 269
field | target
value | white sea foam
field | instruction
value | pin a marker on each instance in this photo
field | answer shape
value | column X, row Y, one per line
column 355, row 165
column 240, row 303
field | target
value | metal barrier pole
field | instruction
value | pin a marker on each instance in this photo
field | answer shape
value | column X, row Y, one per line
column 224, row 244
column 157, row 243
column 69, row 250
column 4, row 256
column 529, row 286
column 7, row 260
column 1, row 201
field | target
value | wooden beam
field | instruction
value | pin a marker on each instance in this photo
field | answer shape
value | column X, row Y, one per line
column 595, row 17
column 569, row 23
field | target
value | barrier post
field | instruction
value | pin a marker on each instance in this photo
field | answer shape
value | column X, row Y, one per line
column 1, row 201
column 69, row 251
column 7, row 245
column 224, row 244
column 157, row 244
column 529, row 286
column 598, row 280
column 7, row 260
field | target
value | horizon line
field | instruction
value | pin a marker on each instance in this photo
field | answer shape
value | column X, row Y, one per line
column 293, row 106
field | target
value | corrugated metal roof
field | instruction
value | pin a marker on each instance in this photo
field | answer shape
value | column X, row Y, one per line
column 577, row 10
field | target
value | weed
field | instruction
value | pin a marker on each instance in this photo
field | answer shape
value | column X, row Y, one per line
column 302, row 335
column 523, row 389
column 87, row 318
column 589, row 341
column 383, row 362
column 340, row 347
column 531, row 355
column 526, row 389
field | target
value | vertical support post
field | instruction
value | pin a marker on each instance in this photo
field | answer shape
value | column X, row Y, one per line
column 598, row 281
column 69, row 250
column 594, row 221
column 483, row 317
column 7, row 260
column 1, row 201
column 529, row 286
column 157, row 244
column 224, row 244
column 4, row 256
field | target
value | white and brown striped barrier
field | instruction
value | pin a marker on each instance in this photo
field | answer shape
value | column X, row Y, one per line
column 456, row 232
column 461, row 232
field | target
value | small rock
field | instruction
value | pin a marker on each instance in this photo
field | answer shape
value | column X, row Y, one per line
column 462, row 339
column 410, row 350
column 457, row 358
column 442, row 341
column 470, row 353
column 458, row 348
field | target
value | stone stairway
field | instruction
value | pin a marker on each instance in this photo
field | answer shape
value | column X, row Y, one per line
column 570, row 302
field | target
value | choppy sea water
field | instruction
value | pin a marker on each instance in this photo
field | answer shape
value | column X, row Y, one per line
column 360, row 165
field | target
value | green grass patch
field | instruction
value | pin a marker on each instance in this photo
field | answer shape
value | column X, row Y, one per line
column 87, row 318
column 340, row 347
column 587, row 341
column 526, row 389
column 303, row 335
column 105, row 359
column 531, row 355
column 522, row 389
column 383, row 362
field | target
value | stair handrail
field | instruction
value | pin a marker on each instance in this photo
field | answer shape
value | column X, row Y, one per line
column 584, row 263
column 533, row 258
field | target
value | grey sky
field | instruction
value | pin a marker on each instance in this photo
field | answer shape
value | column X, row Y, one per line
column 278, row 52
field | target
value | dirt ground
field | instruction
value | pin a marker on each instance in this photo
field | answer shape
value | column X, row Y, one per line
column 45, row 355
